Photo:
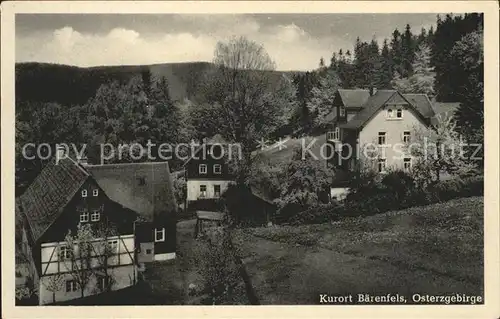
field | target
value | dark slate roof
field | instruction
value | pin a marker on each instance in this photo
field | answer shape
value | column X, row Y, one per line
column 422, row 103
column 145, row 188
column 50, row 192
column 369, row 108
column 354, row 97
column 261, row 193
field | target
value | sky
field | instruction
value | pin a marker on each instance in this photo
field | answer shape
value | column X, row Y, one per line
column 294, row 41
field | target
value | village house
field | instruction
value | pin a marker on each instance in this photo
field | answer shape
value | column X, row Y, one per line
column 130, row 206
column 207, row 174
column 382, row 118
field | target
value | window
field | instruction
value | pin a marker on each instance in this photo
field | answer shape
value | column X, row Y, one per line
column 381, row 165
column 141, row 181
column 95, row 216
column 407, row 164
column 95, row 192
column 217, row 168
column 148, row 251
column 217, row 190
column 84, row 193
column 342, row 111
column 203, row 168
column 406, row 136
column 64, row 253
column 71, row 285
column 203, row 190
column 334, row 135
column 399, row 113
column 102, row 282
column 381, row 138
column 113, row 245
column 84, row 217
column 159, row 234
column 390, row 114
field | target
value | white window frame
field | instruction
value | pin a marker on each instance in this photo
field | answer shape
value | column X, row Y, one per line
column 203, row 194
column 384, row 135
column 330, row 135
column 73, row 284
column 405, row 161
column 390, row 113
column 162, row 232
column 342, row 111
column 64, row 253
column 95, row 192
column 95, row 213
column 406, row 137
column 202, row 168
column 84, row 193
column 84, row 217
column 384, row 166
column 219, row 170
column 220, row 191
column 113, row 245
column 399, row 111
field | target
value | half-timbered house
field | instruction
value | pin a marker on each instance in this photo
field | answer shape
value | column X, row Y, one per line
column 127, row 205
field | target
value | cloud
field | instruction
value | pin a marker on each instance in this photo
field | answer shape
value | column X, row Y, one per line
column 291, row 47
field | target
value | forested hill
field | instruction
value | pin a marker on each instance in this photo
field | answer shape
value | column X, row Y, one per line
column 70, row 85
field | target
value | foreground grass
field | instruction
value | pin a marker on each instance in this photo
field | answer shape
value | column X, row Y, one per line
column 433, row 249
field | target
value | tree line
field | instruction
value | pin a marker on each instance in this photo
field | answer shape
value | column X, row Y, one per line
column 244, row 101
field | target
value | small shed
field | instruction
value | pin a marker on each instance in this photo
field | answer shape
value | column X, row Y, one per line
column 206, row 220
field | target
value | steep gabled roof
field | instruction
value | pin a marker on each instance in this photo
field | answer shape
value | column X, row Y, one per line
column 145, row 188
column 369, row 108
column 354, row 97
column 421, row 102
column 50, row 192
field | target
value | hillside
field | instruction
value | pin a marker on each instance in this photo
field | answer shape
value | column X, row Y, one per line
column 435, row 249
column 70, row 85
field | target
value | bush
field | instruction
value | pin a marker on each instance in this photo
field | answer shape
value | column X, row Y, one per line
column 371, row 194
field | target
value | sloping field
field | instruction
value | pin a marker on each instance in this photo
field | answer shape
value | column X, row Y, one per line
column 435, row 249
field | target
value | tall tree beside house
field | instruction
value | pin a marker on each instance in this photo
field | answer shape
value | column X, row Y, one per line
column 396, row 52
column 385, row 70
column 468, row 54
column 54, row 284
column 438, row 150
column 78, row 254
column 40, row 123
column 320, row 104
column 248, row 104
column 449, row 31
column 408, row 52
column 422, row 79
column 305, row 184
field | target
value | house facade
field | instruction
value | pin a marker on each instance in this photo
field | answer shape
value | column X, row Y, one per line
column 207, row 174
column 372, row 128
column 67, row 195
